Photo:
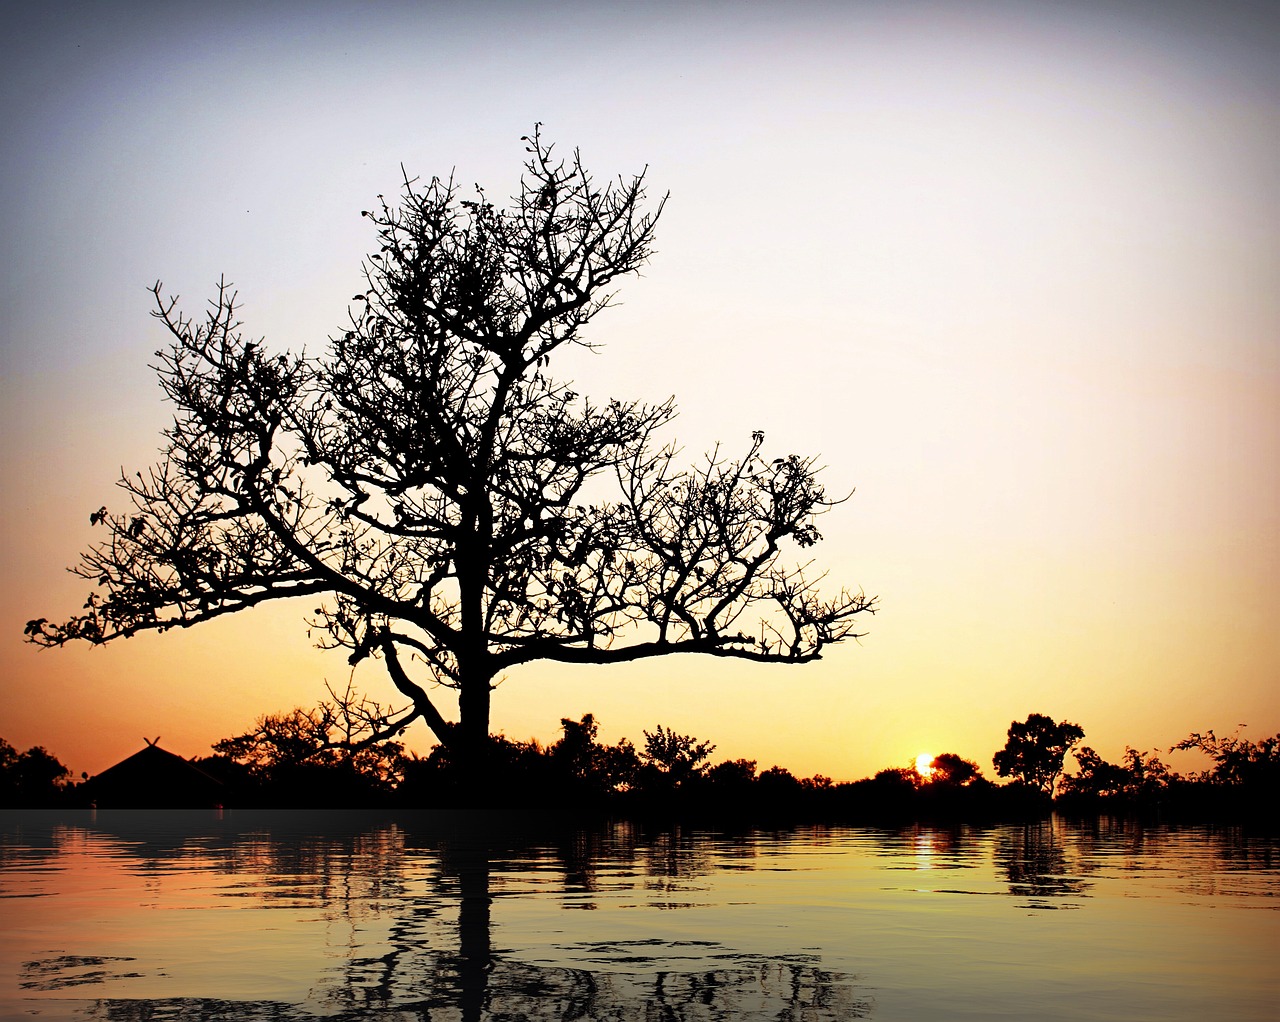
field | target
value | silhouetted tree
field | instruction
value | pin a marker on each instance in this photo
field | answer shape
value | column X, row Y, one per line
column 952, row 770
column 679, row 758
column 777, row 784
column 437, row 494
column 733, row 772
column 307, row 757
column 32, row 778
column 732, row 784
column 595, row 768
column 283, row 741
column 620, row 766
column 516, row 774
column 1236, row 760
column 1148, row 774
column 1036, row 750
column 1095, row 777
column 1141, row 778
column 577, row 751
column 901, row 778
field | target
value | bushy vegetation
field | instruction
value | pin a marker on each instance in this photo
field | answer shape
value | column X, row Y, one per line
column 1243, row 780
column 304, row 759
column 31, row 778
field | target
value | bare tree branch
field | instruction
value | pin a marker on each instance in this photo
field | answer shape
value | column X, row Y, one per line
column 448, row 506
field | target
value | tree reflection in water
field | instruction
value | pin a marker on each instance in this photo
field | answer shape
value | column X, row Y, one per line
column 1034, row 861
column 768, row 989
column 438, row 961
column 479, row 983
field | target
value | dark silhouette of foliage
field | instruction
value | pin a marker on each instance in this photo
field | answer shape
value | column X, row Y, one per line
column 1147, row 772
column 1095, row 777
column 449, row 507
column 678, row 758
column 314, row 737
column 1244, row 781
column 32, row 778
column 732, row 773
column 514, row 775
column 951, row 770
column 901, row 778
column 955, row 790
column 1036, row 750
column 1236, row 760
column 619, row 766
column 309, row 738
column 777, row 784
column 294, row 760
column 589, row 767
column 309, row 758
column 1140, row 781
column 577, row 750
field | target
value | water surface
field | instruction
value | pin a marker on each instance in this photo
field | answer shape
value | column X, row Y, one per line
column 456, row 916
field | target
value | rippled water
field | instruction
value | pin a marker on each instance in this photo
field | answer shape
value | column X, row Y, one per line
column 444, row 917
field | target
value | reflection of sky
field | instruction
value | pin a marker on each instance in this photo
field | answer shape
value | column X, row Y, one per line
column 1008, row 267
column 252, row 913
column 251, row 909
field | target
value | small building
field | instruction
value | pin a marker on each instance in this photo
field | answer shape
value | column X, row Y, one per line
column 153, row 778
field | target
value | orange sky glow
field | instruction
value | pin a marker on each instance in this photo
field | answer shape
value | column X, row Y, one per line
column 1008, row 268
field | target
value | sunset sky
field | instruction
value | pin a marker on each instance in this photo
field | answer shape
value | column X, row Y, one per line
column 1011, row 269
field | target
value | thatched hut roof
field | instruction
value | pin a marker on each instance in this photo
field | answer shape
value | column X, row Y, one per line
column 154, row 778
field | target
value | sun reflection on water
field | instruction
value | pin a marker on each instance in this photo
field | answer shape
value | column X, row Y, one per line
column 291, row 918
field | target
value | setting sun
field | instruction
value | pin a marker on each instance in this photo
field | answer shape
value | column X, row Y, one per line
column 924, row 764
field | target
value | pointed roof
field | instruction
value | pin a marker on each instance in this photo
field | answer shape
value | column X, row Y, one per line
column 154, row 778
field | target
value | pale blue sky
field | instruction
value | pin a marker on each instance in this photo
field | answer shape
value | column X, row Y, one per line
column 1009, row 267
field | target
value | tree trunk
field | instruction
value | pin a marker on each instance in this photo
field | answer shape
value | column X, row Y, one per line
column 474, row 672
column 473, row 710
column 470, row 750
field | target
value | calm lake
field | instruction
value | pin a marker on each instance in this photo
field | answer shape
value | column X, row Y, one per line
column 437, row 916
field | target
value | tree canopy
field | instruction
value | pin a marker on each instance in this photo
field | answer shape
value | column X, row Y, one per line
column 32, row 778
column 1036, row 750
column 444, row 504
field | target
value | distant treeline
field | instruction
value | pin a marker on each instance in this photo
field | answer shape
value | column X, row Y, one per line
column 296, row 760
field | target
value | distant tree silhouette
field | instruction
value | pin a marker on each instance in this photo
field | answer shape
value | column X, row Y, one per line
column 778, row 784
column 679, row 758
column 1141, row 778
column 1095, row 777
column 951, row 769
column 32, row 778
column 577, row 753
column 314, row 738
column 738, row 772
column 1237, row 761
column 898, row 777
column 304, row 758
column 450, row 508
column 732, row 784
column 1035, row 751
column 589, row 765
